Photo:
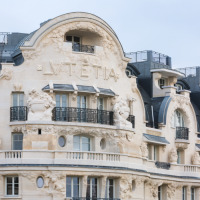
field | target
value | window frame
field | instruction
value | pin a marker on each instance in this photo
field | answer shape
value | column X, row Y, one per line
column 108, row 188
column 13, row 186
column 184, row 193
column 161, row 82
column 193, row 193
column 91, row 187
column 72, row 186
column 81, row 142
column 61, row 99
column 17, row 140
column 153, row 152
column 18, row 99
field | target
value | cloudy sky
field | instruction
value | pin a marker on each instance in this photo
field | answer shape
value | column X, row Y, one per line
column 171, row 27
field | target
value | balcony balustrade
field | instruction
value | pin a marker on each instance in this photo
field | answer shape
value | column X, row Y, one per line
column 18, row 113
column 83, row 48
column 162, row 165
column 182, row 133
column 70, row 114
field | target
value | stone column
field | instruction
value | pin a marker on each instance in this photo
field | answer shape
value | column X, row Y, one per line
column 103, row 186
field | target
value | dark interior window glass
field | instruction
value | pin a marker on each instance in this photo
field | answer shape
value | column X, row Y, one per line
column 77, row 39
column 69, row 38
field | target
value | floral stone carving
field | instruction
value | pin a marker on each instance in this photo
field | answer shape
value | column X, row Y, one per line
column 144, row 149
column 6, row 74
column 40, row 106
column 121, row 113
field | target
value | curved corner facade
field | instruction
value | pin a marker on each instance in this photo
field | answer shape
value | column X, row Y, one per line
column 81, row 121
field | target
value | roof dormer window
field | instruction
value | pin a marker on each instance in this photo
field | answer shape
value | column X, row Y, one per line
column 76, row 42
column 161, row 82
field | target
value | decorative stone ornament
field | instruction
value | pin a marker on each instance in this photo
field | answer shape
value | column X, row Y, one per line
column 144, row 149
column 196, row 159
column 40, row 106
column 121, row 113
column 173, row 156
column 6, row 74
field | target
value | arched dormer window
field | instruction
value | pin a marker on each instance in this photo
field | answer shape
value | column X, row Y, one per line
column 177, row 119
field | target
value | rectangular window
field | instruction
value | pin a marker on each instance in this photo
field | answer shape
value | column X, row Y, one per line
column 184, row 193
column 72, row 187
column 100, row 104
column 81, row 143
column 192, row 193
column 180, row 154
column 153, row 152
column 110, row 188
column 12, row 185
column 160, row 193
column 17, row 141
column 18, row 99
column 92, row 188
column 61, row 100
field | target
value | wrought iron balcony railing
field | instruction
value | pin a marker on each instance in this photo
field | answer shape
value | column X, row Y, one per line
column 83, row 48
column 162, row 165
column 71, row 114
column 18, row 113
column 182, row 133
column 131, row 119
column 93, row 198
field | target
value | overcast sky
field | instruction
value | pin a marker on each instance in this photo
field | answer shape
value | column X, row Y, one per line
column 171, row 27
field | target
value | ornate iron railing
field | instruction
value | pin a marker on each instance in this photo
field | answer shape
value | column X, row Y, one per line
column 83, row 48
column 131, row 119
column 71, row 114
column 182, row 133
column 18, row 113
column 163, row 165
column 93, row 198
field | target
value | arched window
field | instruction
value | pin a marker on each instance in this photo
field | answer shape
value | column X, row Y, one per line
column 178, row 119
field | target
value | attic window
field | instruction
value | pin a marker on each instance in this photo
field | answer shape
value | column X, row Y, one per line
column 161, row 82
column 179, row 87
column 76, row 42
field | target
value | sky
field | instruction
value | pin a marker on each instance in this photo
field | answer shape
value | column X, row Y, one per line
column 171, row 27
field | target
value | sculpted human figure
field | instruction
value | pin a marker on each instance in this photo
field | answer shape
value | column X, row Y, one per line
column 196, row 159
column 121, row 113
column 173, row 156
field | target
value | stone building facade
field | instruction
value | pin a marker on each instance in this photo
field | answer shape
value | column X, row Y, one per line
column 82, row 120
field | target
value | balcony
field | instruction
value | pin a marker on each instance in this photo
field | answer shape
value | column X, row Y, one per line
column 83, row 48
column 18, row 113
column 162, row 165
column 182, row 133
column 71, row 114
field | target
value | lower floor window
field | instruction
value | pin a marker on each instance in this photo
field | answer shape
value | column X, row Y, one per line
column 72, row 186
column 12, row 185
column 159, row 193
column 92, row 188
column 192, row 193
column 184, row 193
column 110, row 188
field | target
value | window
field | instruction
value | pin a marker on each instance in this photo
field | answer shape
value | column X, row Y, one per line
column 160, row 193
column 92, row 188
column 61, row 100
column 192, row 193
column 184, row 193
column 81, row 143
column 178, row 119
column 110, row 188
column 100, row 104
column 153, row 152
column 72, row 187
column 128, row 73
column 40, row 182
column 18, row 99
column 76, row 42
column 61, row 141
column 12, row 185
column 81, row 106
column 180, row 154
column 179, row 87
column 161, row 82
column 17, row 141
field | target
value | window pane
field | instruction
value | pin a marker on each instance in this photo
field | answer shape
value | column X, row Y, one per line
column 88, row 188
column 15, row 99
column 64, row 100
column 68, row 185
column 21, row 99
column 85, row 147
column 9, row 189
column 57, row 100
column 16, row 180
column 75, row 187
column 16, row 189
column 111, row 188
column 9, row 179
column 77, row 39
column 69, row 38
